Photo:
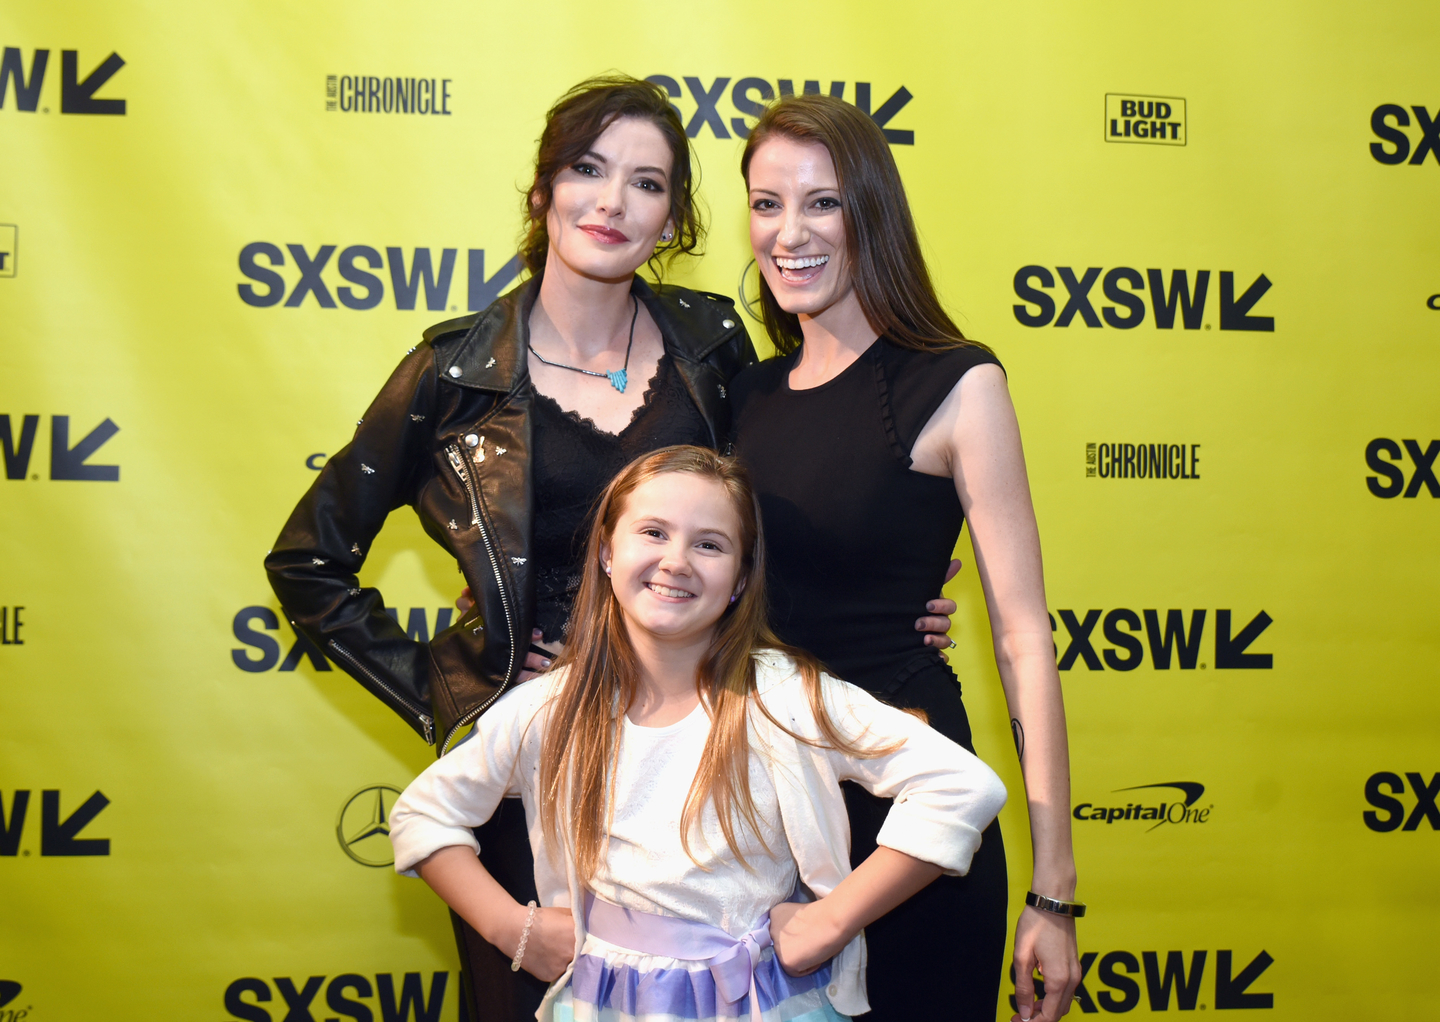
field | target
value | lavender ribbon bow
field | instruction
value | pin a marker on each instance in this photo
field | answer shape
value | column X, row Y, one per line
column 731, row 960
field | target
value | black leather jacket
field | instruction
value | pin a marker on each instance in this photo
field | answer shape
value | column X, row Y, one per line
column 450, row 435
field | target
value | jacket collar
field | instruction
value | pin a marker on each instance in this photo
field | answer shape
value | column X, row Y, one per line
column 492, row 355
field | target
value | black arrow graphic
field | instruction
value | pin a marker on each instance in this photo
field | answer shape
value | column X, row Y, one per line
column 1230, row 993
column 1233, row 314
column 887, row 110
column 69, row 463
column 57, row 838
column 9, row 990
column 1230, row 653
column 77, row 97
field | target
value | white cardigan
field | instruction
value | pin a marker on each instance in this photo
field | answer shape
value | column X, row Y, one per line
column 944, row 796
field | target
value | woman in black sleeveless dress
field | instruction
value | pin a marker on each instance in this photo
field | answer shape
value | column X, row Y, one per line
column 870, row 439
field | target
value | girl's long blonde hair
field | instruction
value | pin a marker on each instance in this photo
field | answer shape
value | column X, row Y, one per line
column 581, row 746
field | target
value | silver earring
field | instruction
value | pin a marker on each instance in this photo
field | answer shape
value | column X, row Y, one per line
column 607, row 571
column 666, row 236
column 734, row 597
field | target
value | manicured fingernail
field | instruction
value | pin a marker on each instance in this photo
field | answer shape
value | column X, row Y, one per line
column 544, row 663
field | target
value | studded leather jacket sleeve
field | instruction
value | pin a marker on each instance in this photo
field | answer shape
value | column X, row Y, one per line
column 314, row 565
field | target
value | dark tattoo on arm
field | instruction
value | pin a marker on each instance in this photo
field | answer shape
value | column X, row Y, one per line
column 1018, row 733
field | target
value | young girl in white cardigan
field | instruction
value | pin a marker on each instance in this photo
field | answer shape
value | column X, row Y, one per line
column 680, row 772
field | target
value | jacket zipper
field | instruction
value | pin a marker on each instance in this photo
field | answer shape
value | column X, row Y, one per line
column 426, row 721
column 457, row 462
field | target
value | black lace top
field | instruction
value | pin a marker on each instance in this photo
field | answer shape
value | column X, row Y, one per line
column 573, row 462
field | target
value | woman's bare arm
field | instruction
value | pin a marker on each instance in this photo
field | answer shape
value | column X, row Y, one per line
column 974, row 438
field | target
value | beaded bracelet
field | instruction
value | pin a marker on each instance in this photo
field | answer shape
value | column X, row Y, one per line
column 524, row 936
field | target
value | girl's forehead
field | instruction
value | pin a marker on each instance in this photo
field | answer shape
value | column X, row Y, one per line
column 680, row 496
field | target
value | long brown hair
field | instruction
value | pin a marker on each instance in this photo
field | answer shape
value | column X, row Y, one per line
column 892, row 281
column 571, row 127
column 580, row 748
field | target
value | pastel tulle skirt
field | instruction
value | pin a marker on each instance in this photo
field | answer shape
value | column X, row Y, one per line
column 715, row 976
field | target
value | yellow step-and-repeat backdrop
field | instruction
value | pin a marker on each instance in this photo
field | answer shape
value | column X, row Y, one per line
column 1201, row 237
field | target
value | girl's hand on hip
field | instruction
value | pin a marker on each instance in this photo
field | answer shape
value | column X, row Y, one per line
column 804, row 936
column 551, row 944
column 1045, row 941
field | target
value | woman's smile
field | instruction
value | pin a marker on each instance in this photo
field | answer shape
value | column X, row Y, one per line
column 800, row 270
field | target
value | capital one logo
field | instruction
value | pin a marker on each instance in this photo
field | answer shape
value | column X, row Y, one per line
column 77, row 96
column 748, row 96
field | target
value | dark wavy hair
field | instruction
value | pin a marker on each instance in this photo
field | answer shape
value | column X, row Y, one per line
column 891, row 278
column 571, row 127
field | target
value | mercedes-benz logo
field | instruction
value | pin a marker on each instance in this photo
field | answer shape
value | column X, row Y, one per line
column 363, row 828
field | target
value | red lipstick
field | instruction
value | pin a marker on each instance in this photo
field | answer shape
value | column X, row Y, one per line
column 606, row 235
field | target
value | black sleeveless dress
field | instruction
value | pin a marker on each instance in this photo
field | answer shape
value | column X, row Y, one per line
column 573, row 461
column 856, row 543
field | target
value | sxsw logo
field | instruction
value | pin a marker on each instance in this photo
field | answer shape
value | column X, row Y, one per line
column 1156, row 120
column 77, row 96
column 1117, row 992
column 1172, row 643
column 57, row 837
column 252, row 625
column 345, row 995
column 408, row 276
column 1395, row 817
column 9, row 246
column 1128, row 309
column 66, row 462
column 1394, row 485
column 1429, row 141
column 748, row 97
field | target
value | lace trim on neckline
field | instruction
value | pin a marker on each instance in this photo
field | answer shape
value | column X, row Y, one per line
column 652, row 388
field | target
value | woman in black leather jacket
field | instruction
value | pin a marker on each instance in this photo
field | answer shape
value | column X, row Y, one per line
column 501, row 428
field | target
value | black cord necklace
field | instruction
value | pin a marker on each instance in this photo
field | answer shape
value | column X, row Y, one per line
column 617, row 379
